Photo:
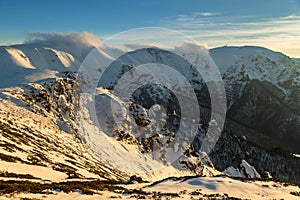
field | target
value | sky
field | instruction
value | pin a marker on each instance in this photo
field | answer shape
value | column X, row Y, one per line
column 274, row 24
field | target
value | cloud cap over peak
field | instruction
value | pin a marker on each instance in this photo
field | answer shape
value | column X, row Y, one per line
column 78, row 44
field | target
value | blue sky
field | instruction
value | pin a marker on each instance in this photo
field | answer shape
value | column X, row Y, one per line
column 271, row 23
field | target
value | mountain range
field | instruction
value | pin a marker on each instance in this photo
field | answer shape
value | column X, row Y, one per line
column 48, row 131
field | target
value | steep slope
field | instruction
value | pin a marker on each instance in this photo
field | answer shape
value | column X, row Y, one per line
column 29, row 140
column 36, row 130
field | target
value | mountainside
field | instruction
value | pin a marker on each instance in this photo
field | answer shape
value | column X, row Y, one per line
column 50, row 132
column 262, row 90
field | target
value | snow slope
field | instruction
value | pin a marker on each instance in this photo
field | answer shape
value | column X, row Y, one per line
column 206, row 188
column 238, row 64
column 223, row 185
column 31, row 63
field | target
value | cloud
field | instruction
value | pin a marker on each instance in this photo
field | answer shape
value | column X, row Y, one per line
column 78, row 44
column 205, row 14
column 194, row 15
column 84, row 38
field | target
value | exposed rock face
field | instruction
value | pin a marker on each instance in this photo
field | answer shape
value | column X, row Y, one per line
column 139, row 114
column 245, row 170
column 199, row 163
column 57, row 98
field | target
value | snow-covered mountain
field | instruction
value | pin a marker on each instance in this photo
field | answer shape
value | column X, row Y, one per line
column 30, row 63
column 49, row 132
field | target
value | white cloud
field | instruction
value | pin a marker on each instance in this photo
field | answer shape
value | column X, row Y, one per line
column 205, row 14
column 84, row 38
column 78, row 44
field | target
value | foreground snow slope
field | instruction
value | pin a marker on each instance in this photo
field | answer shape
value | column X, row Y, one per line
column 218, row 188
column 231, row 187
